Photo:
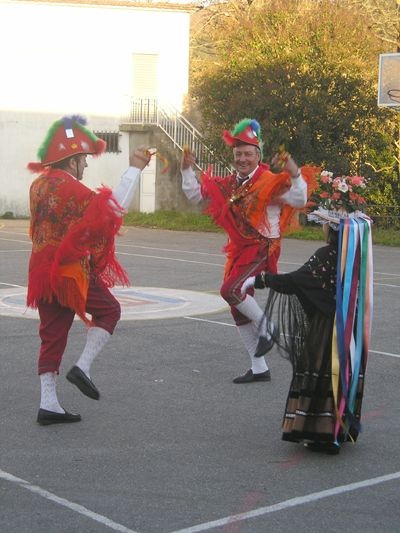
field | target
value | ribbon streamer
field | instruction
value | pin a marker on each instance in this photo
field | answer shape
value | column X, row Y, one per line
column 352, row 329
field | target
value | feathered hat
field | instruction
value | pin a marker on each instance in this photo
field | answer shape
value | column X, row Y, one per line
column 247, row 131
column 65, row 138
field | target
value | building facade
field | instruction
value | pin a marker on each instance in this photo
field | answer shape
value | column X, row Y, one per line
column 91, row 58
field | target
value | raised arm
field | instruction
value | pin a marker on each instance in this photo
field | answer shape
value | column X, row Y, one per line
column 123, row 192
column 296, row 196
column 190, row 186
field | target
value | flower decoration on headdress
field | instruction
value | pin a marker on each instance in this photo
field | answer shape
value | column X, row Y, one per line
column 341, row 193
column 336, row 198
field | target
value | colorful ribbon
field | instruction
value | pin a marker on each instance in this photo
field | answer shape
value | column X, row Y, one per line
column 352, row 327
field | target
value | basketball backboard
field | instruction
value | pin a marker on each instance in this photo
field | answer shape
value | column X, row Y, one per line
column 389, row 80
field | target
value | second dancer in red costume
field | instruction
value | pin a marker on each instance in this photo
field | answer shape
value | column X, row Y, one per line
column 254, row 206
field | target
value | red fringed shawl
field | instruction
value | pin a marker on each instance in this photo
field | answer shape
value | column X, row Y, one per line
column 241, row 211
column 72, row 230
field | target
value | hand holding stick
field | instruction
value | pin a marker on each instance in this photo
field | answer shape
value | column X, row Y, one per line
column 140, row 157
column 282, row 160
column 188, row 158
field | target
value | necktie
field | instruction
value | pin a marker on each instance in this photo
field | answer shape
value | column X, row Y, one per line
column 242, row 180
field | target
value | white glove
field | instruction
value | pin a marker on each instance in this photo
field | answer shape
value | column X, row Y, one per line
column 248, row 284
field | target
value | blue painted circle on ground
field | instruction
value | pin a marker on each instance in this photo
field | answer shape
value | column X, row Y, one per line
column 137, row 303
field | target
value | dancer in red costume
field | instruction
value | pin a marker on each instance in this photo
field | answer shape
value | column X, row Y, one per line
column 254, row 206
column 73, row 263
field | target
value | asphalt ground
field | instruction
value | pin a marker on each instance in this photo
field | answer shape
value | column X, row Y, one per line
column 173, row 445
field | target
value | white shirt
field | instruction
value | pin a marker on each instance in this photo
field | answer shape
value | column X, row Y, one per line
column 296, row 196
column 123, row 192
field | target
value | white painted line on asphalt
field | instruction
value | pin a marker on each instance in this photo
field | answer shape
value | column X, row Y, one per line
column 177, row 250
column 15, row 240
column 163, row 258
column 385, row 353
column 233, row 325
column 293, row 502
column 221, row 255
column 210, row 321
column 12, row 251
column 65, row 503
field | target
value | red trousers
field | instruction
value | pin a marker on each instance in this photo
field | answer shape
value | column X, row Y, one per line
column 265, row 259
column 56, row 321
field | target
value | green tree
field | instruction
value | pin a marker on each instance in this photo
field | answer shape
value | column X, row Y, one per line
column 384, row 19
column 307, row 70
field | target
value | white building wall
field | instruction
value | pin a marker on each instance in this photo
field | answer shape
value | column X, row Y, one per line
column 58, row 59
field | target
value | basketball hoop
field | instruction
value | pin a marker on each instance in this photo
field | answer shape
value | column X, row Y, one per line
column 389, row 80
column 394, row 95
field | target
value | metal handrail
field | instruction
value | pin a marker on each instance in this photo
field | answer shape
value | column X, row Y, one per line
column 181, row 132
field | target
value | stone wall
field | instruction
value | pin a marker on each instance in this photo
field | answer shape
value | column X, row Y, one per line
column 168, row 193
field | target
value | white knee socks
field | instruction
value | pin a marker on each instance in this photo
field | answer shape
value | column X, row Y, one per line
column 250, row 308
column 48, row 393
column 249, row 336
column 97, row 338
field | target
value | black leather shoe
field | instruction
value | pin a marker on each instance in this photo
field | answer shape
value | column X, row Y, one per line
column 84, row 384
column 249, row 377
column 264, row 344
column 45, row 418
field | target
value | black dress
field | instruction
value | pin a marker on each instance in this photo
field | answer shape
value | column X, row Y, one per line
column 303, row 303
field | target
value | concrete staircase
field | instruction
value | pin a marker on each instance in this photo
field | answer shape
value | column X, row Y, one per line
column 148, row 112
